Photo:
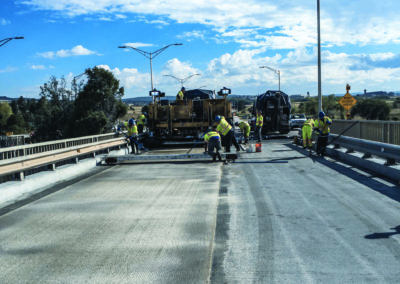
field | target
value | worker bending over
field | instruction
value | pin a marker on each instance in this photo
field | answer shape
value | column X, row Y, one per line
column 212, row 140
column 306, row 132
column 226, row 130
column 259, row 125
column 245, row 129
column 132, row 133
column 322, row 127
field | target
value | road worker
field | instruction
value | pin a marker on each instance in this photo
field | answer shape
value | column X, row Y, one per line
column 245, row 129
column 212, row 140
column 132, row 133
column 228, row 135
column 180, row 95
column 306, row 132
column 141, row 121
column 322, row 127
column 259, row 125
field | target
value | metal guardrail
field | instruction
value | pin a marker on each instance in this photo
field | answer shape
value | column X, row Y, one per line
column 389, row 152
column 373, row 130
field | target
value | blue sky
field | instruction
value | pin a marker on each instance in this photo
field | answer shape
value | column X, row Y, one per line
column 225, row 41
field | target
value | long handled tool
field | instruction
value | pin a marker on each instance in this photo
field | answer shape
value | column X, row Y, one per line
column 198, row 140
column 340, row 134
column 136, row 142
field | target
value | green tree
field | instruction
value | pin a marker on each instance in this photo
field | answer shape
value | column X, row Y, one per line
column 372, row 109
column 100, row 98
column 5, row 112
column 16, row 124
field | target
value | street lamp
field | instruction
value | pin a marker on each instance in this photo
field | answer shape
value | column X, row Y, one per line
column 184, row 79
column 276, row 72
column 319, row 59
column 150, row 55
column 4, row 41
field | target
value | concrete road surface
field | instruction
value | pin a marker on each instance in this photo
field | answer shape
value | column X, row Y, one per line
column 277, row 216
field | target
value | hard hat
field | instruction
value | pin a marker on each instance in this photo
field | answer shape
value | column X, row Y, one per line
column 217, row 118
column 321, row 114
column 144, row 113
column 236, row 123
column 131, row 121
column 183, row 88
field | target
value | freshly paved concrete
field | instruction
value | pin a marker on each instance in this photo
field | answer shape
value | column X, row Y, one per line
column 277, row 216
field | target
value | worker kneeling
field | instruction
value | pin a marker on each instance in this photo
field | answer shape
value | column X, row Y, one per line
column 212, row 140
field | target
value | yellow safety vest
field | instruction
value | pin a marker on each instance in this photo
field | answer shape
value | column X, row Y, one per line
column 211, row 135
column 223, row 127
column 260, row 120
column 323, row 125
column 244, row 126
column 131, row 130
column 309, row 122
column 141, row 119
column 179, row 96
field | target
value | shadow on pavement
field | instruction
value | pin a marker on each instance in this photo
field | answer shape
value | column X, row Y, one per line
column 384, row 235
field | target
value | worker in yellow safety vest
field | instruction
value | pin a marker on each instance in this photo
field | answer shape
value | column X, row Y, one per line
column 322, row 127
column 225, row 129
column 306, row 132
column 141, row 121
column 132, row 133
column 212, row 141
column 259, row 125
column 180, row 95
column 245, row 129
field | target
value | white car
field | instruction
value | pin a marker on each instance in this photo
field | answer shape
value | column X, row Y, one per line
column 297, row 120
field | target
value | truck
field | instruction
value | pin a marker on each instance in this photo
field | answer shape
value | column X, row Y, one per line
column 189, row 118
column 275, row 107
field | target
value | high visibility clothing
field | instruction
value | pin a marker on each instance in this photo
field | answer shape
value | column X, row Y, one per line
column 132, row 130
column 307, row 132
column 179, row 96
column 141, row 119
column 245, row 128
column 323, row 125
column 223, row 127
column 211, row 135
column 260, row 120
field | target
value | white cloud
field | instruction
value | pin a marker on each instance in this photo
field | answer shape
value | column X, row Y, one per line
column 4, row 22
column 41, row 67
column 78, row 50
column 8, row 69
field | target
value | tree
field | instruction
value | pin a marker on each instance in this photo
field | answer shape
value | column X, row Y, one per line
column 16, row 124
column 372, row 109
column 100, row 98
column 5, row 112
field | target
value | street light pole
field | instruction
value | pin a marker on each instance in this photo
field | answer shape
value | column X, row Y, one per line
column 319, row 59
column 4, row 41
column 150, row 55
column 184, row 79
column 278, row 72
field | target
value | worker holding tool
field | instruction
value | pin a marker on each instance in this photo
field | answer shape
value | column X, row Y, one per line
column 245, row 129
column 132, row 133
column 180, row 95
column 259, row 124
column 306, row 132
column 322, row 127
column 141, row 121
column 212, row 140
column 226, row 130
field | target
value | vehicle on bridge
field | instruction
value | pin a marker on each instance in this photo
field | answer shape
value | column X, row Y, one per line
column 188, row 118
column 297, row 120
column 275, row 107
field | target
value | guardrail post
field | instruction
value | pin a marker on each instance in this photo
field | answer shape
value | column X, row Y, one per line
column 76, row 160
column 19, row 176
column 51, row 167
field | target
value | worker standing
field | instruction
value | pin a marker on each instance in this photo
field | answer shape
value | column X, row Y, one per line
column 245, row 129
column 132, row 133
column 259, row 125
column 180, row 95
column 306, row 132
column 322, row 127
column 212, row 141
column 225, row 129
column 141, row 121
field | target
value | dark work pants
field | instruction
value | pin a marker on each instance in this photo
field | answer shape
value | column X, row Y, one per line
column 140, row 128
column 133, row 144
column 230, row 138
column 322, row 142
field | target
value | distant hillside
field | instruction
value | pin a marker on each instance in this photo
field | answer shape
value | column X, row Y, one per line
column 7, row 99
